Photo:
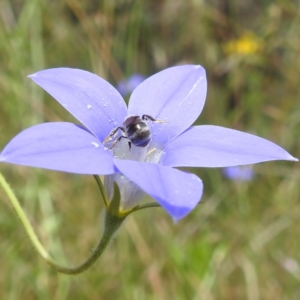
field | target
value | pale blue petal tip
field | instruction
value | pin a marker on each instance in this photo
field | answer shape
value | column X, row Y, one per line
column 293, row 158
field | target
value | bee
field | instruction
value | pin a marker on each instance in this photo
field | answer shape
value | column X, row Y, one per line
column 135, row 129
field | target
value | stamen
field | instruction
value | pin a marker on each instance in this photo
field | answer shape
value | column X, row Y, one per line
column 151, row 151
column 160, row 121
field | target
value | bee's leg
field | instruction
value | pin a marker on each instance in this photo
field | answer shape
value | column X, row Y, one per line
column 118, row 139
column 147, row 117
column 113, row 133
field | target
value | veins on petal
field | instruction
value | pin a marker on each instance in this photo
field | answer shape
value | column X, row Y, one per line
column 192, row 89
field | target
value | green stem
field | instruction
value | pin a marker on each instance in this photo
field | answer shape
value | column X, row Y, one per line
column 147, row 205
column 111, row 225
column 101, row 188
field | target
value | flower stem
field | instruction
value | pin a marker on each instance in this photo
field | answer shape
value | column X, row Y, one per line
column 101, row 188
column 147, row 205
column 111, row 225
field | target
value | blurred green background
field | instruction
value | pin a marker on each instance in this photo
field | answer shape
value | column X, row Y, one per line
column 242, row 242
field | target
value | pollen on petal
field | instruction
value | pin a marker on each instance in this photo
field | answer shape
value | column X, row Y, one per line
column 95, row 144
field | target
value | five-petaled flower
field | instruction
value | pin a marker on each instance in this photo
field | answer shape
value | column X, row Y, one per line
column 127, row 86
column 175, row 95
column 239, row 173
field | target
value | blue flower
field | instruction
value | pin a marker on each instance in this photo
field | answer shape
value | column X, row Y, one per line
column 127, row 86
column 239, row 173
column 175, row 95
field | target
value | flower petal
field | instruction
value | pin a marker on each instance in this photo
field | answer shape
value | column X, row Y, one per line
column 89, row 98
column 239, row 173
column 177, row 192
column 59, row 146
column 214, row 146
column 176, row 95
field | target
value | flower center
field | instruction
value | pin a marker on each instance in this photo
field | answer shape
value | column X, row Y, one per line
column 149, row 153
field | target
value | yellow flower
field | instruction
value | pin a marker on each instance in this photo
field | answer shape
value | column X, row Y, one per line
column 248, row 43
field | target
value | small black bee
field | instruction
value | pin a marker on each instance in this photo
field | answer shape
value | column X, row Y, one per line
column 135, row 129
